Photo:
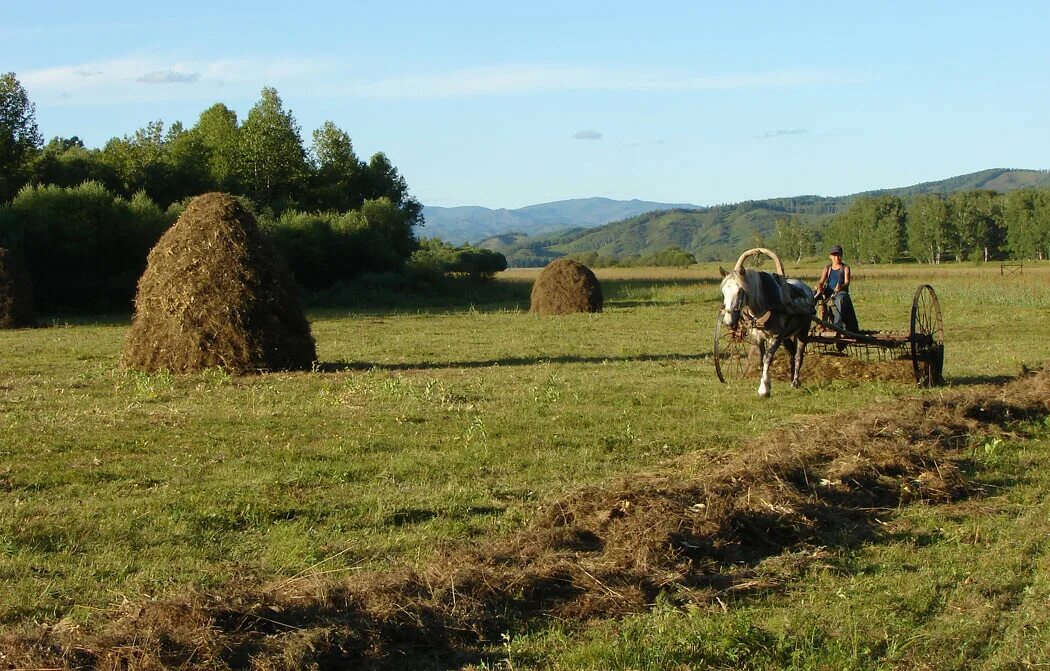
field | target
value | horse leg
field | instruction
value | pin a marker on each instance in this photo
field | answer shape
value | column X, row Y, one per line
column 767, row 360
column 800, row 354
column 790, row 344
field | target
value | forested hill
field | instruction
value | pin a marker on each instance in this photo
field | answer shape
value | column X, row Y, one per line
column 996, row 179
column 472, row 223
column 719, row 232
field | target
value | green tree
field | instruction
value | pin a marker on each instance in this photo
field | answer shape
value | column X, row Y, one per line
column 137, row 159
column 929, row 226
column 339, row 184
column 977, row 217
column 218, row 134
column 19, row 136
column 794, row 239
column 383, row 180
column 1026, row 214
column 272, row 161
column 66, row 162
column 872, row 229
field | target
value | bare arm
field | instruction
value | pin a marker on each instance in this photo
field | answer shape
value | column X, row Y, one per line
column 823, row 278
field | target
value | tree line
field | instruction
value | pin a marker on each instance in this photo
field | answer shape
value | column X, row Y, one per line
column 930, row 228
column 85, row 218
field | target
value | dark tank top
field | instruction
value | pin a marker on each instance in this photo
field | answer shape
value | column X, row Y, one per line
column 834, row 277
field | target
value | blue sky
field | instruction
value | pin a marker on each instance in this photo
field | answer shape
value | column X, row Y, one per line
column 510, row 104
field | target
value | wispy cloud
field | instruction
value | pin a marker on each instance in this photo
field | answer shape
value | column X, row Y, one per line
column 781, row 133
column 168, row 77
column 588, row 134
column 119, row 80
column 513, row 79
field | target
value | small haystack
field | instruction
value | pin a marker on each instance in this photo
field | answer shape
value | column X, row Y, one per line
column 564, row 287
column 16, row 292
column 216, row 294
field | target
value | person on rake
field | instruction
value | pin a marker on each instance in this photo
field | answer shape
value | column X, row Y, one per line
column 834, row 288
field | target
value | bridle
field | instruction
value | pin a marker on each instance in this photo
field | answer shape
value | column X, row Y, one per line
column 741, row 309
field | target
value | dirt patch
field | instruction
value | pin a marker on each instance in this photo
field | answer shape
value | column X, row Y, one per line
column 698, row 527
column 566, row 287
column 216, row 294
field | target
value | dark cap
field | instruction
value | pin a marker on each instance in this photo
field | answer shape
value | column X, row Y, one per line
column 836, row 249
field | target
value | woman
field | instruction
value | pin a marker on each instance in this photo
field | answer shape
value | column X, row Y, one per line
column 834, row 286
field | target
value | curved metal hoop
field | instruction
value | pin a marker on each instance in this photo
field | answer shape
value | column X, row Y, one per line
column 761, row 250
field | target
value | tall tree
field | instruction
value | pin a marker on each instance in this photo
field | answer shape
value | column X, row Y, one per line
column 384, row 181
column 795, row 238
column 977, row 216
column 19, row 136
column 1026, row 214
column 340, row 180
column 273, row 163
column 929, row 225
column 872, row 228
column 217, row 132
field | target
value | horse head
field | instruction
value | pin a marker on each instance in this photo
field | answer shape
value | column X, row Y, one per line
column 734, row 295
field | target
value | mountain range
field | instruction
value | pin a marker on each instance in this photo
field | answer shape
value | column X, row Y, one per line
column 471, row 223
column 536, row 234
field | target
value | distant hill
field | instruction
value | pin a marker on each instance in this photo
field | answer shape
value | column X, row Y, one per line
column 720, row 232
column 996, row 179
column 472, row 223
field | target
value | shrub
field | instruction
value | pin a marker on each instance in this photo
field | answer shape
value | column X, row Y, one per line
column 84, row 245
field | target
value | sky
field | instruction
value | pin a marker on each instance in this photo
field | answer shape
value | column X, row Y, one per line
column 505, row 104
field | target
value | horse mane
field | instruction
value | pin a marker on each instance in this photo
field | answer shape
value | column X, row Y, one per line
column 756, row 292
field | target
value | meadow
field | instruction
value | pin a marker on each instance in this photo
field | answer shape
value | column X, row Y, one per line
column 438, row 425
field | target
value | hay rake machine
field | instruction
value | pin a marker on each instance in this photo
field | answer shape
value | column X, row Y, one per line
column 736, row 357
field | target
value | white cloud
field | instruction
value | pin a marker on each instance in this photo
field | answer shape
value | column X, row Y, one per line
column 781, row 133
column 588, row 134
column 512, row 79
column 120, row 80
column 168, row 77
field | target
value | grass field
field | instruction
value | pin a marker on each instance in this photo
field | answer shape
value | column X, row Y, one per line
column 440, row 425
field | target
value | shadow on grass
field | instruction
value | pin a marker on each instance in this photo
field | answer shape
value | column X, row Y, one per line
column 342, row 367
column 501, row 295
column 968, row 380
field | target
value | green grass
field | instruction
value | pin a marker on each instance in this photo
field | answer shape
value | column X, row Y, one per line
column 422, row 426
column 963, row 586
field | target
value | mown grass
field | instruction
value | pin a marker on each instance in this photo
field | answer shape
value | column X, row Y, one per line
column 962, row 586
column 420, row 427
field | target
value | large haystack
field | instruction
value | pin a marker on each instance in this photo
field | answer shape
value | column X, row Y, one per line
column 16, row 292
column 564, row 287
column 215, row 293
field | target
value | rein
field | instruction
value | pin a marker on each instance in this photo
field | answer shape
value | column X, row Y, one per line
column 744, row 313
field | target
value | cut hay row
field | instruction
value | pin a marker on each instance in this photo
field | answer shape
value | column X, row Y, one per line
column 699, row 527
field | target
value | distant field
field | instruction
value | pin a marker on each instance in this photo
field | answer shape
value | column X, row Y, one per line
column 421, row 427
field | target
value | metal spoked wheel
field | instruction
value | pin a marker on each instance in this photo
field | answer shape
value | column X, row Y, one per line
column 734, row 353
column 927, row 337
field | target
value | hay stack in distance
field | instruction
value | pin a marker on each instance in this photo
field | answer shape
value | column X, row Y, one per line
column 16, row 292
column 565, row 287
column 216, row 293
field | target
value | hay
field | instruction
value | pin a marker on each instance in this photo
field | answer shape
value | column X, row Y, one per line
column 216, row 294
column 16, row 292
column 566, row 287
column 703, row 525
